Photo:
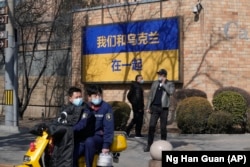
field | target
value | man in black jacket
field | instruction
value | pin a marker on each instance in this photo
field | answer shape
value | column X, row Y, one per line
column 76, row 122
column 135, row 97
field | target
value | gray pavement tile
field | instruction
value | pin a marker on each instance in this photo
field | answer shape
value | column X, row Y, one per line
column 13, row 146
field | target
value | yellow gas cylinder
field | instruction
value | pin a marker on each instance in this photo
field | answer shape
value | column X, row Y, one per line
column 119, row 142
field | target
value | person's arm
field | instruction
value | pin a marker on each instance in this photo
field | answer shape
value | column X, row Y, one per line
column 108, row 123
column 150, row 97
column 62, row 115
column 139, row 98
column 75, row 115
column 169, row 87
column 130, row 94
column 86, row 118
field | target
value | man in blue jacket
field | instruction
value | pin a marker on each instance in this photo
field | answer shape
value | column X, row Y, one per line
column 104, row 125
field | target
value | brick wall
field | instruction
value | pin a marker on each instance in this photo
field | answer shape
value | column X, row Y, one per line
column 215, row 48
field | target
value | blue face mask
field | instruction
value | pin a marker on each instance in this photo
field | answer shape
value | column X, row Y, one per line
column 78, row 101
column 96, row 101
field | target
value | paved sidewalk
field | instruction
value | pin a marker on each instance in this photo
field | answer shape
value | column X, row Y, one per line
column 13, row 145
column 134, row 155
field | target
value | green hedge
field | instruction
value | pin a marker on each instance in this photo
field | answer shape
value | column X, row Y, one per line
column 234, row 103
column 185, row 93
column 192, row 114
column 244, row 93
column 121, row 114
column 220, row 122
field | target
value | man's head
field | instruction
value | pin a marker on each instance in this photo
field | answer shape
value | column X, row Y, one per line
column 75, row 96
column 162, row 73
column 139, row 78
column 94, row 93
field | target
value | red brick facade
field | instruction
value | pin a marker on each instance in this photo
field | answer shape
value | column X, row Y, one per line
column 215, row 49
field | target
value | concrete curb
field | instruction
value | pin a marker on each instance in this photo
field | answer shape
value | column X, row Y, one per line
column 11, row 129
column 4, row 165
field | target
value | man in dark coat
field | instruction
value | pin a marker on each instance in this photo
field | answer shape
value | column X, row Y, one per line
column 135, row 97
column 74, row 125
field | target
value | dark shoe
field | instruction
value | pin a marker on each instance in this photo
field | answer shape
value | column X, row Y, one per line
column 127, row 133
column 139, row 136
column 147, row 149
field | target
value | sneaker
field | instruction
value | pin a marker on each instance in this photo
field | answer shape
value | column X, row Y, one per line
column 139, row 136
column 147, row 149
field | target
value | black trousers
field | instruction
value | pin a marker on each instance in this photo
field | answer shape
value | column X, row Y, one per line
column 156, row 113
column 137, row 120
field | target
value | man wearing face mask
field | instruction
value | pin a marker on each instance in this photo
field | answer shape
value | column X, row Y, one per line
column 104, row 124
column 135, row 97
column 158, row 105
column 71, row 131
column 70, row 113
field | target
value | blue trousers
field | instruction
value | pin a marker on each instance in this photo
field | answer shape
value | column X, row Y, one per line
column 98, row 141
column 88, row 148
column 84, row 148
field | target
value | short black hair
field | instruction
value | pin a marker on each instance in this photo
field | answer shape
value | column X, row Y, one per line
column 72, row 90
column 137, row 76
column 93, row 89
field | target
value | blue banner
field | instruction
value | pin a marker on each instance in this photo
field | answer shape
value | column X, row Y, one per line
column 149, row 35
column 118, row 52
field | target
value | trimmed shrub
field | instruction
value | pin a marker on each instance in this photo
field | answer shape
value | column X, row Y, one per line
column 192, row 115
column 220, row 122
column 121, row 114
column 244, row 93
column 248, row 121
column 233, row 103
column 185, row 93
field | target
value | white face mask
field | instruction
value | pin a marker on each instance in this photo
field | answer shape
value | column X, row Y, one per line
column 96, row 101
column 77, row 102
column 159, row 78
column 141, row 81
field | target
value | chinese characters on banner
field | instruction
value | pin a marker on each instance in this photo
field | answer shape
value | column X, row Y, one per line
column 136, row 65
column 133, row 39
column 119, row 51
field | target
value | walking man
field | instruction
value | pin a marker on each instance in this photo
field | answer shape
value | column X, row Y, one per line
column 135, row 97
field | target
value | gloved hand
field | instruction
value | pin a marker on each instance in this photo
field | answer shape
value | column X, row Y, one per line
column 63, row 118
column 64, row 115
